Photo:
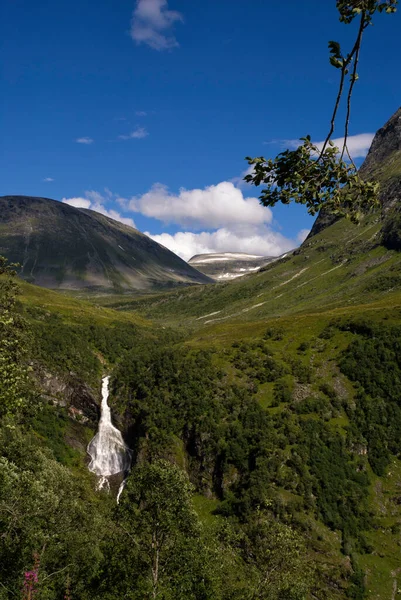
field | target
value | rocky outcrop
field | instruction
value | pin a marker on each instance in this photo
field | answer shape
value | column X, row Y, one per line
column 383, row 162
column 70, row 392
column 386, row 142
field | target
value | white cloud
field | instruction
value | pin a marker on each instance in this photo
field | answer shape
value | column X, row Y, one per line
column 250, row 240
column 302, row 235
column 215, row 206
column 141, row 113
column 152, row 22
column 138, row 134
column 225, row 220
column 95, row 201
column 358, row 145
column 239, row 181
column 96, row 197
column 77, row 202
column 48, row 179
column 84, row 140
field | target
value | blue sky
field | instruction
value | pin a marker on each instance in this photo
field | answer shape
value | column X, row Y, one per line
column 145, row 110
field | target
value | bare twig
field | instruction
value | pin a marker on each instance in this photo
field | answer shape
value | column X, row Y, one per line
column 7, row 590
column 362, row 26
column 56, row 572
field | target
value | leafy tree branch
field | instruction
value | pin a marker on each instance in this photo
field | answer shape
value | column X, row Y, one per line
column 323, row 177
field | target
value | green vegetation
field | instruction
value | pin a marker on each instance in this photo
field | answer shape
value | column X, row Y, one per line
column 275, row 430
column 264, row 419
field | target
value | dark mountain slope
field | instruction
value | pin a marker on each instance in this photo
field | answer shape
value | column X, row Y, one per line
column 62, row 247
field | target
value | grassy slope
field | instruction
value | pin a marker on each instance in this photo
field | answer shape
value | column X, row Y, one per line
column 340, row 272
column 343, row 271
column 72, row 310
column 342, row 266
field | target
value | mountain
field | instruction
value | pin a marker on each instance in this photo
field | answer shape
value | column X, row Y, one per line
column 229, row 265
column 66, row 248
column 383, row 163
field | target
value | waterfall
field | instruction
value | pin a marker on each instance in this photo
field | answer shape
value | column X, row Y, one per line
column 108, row 451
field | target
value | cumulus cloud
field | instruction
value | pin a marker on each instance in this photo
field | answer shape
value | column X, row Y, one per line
column 77, row 202
column 152, row 23
column 215, row 206
column 96, row 201
column 302, row 235
column 138, row 134
column 215, row 219
column 48, row 179
column 84, row 140
column 250, row 240
column 358, row 145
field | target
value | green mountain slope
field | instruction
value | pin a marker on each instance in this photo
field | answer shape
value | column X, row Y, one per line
column 62, row 247
column 273, row 410
column 314, row 339
column 341, row 266
column 338, row 265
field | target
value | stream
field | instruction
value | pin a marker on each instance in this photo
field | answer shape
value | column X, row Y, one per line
column 109, row 453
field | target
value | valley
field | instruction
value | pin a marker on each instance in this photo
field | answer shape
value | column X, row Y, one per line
column 262, row 417
column 274, row 342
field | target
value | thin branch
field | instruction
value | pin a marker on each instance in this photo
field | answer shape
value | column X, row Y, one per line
column 355, row 51
column 362, row 27
column 7, row 590
column 337, row 104
column 56, row 572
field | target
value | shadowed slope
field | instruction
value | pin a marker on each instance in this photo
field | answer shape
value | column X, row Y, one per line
column 62, row 247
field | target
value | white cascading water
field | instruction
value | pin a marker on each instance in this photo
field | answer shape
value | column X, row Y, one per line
column 108, row 451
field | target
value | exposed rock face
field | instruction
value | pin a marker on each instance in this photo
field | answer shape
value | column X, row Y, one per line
column 69, row 392
column 62, row 247
column 383, row 163
column 382, row 154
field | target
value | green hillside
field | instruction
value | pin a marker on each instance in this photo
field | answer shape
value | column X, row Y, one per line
column 343, row 265
column 311, row 345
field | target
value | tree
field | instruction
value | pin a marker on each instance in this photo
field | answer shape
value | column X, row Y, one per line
column 168, row 558
column 279, row 557
column 14, row 378
column 47, row 516
column 326, row 177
